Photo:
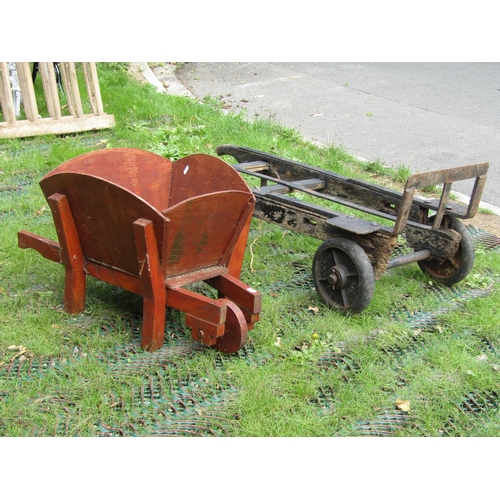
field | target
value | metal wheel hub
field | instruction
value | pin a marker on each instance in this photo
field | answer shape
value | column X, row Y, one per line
column 337, row 277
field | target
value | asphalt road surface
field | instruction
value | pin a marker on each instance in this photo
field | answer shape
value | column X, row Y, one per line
column 426, row 116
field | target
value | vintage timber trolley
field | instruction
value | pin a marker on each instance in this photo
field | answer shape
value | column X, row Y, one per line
column 356, row 251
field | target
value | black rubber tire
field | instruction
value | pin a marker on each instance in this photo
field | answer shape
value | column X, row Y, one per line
column 456, row 268
column 235, row 332
column 343, row 275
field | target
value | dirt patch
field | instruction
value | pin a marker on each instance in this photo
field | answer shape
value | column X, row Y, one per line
column 136, row 72
column 486, row 222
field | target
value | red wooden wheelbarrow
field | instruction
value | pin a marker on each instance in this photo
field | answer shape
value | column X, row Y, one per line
column 151, row 226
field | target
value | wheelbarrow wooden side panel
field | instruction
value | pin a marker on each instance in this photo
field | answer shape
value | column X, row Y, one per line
column 104, row 214
column 209, row 225
column 145, row 174
column 200, row 174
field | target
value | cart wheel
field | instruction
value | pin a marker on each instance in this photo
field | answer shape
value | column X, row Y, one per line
column 343, row 275
column 456, row 268
column 236, row 330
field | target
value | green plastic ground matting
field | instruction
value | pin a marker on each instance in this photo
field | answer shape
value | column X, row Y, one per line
column 161, row 394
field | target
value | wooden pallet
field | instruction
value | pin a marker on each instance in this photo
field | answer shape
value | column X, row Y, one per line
column 57, row 122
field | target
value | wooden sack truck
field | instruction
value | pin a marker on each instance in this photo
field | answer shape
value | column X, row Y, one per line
column 151, row 226
column 356, row 251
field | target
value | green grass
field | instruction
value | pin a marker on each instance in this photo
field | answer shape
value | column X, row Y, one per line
column 306, row 371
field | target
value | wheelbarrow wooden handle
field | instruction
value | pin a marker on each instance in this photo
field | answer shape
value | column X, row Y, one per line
column 49, row 249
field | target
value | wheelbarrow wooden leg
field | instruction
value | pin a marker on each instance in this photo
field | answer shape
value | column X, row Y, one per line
column 153, row 286
column 71, row 254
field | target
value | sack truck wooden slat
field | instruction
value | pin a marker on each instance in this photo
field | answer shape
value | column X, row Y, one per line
column 57, row 122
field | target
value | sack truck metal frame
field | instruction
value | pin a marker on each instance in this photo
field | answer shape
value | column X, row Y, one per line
column 355, row 251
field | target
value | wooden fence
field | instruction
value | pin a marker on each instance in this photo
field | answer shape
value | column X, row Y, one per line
column 62, row 118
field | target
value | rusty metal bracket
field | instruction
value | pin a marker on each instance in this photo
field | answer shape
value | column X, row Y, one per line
column 446, row 178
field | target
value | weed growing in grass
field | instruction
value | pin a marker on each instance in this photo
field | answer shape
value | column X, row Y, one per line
column 485, row 211
column 400, row 174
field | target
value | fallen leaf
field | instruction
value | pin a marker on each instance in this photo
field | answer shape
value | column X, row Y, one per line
column 403, row 405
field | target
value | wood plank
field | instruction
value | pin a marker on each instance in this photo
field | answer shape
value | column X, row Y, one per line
column 114, row 277
column 195, row 276
column 7, row 101
column 27, row 91
column 96, row 87
column 153, row 287
column 50, row 88
column 49, row 249
column 238, row 292
column 204, row 331
column 74, row 89
column 66, row 86
column 54, row 89
column 314, row 184
column 71, row 254
column 93, row 88
column 88, row 84
column 65, row 125
column 197, row 305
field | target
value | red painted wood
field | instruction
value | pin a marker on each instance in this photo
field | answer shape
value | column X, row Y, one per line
column 206, row 225
column 71, row 254
column 48, row 248
column 195, row 304
column 150, row 226
column 239, row 292
column 236, row 330
column 153, row 285
column 145, row 174
column 200, row 174
column 204, row 331
column 104, row 214
column 236, row 260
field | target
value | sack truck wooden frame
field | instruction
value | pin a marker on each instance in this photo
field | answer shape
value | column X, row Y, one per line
column 56, row 123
